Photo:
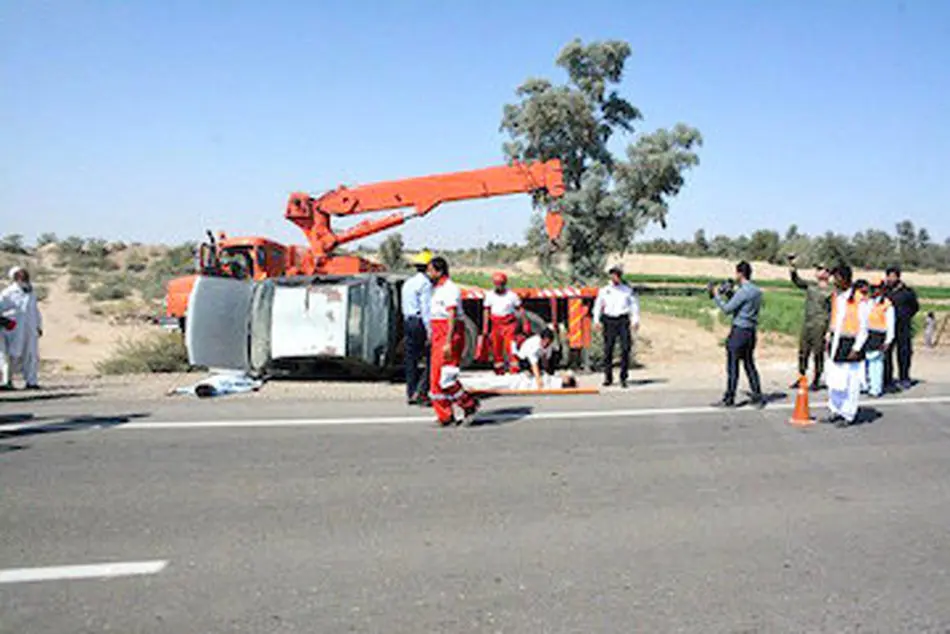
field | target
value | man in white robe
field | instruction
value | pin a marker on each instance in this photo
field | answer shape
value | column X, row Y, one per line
column 847, row 337
column 22, row 343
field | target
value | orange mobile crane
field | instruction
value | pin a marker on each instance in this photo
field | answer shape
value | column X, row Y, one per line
column 423, row 194
column 259, row 258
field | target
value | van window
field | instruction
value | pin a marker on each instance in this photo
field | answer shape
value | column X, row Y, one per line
column 261, row 257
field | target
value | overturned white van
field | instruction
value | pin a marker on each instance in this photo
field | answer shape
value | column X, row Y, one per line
column 338, row 326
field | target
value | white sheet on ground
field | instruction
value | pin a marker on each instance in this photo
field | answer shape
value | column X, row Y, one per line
column 521, row 381
column 221, row 385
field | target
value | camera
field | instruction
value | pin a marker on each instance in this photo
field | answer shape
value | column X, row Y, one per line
column 726, row 288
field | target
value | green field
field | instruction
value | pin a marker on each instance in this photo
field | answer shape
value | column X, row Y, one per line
column 782, row 308
column 483, row 280
column 781, row 312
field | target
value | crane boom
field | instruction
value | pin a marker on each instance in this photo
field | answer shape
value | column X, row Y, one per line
column 423, row 194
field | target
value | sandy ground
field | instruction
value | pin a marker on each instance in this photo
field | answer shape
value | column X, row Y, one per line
column 74, row 339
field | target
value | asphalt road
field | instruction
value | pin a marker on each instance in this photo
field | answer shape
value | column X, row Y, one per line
column 571, row 515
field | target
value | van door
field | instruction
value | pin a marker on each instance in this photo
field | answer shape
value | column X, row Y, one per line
column 217, row 331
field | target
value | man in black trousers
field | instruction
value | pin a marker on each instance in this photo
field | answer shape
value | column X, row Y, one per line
column 617, row 310
column 906, row 307
column 744, row 307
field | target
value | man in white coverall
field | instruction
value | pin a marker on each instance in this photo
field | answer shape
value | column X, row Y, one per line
column 22, row 343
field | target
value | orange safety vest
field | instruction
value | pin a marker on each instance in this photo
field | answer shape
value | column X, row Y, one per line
column 850, row 327
column 852, row 317
column 877, row 320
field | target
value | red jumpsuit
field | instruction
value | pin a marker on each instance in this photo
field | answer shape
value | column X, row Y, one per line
column 504, row 323
column 446, row 391
column 502, row 342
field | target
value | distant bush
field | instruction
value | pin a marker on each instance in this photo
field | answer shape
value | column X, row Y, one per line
column 157, row 352
column 13, row 243
column 136, row 263
column 174, row 263
column 110, row 290
column 45, row 239
column 72, row 244
column 78, row 283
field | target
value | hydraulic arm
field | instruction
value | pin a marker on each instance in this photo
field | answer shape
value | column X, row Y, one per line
column 423, row 194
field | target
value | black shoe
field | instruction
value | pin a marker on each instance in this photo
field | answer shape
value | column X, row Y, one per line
column 608, row 382
column 758, row 401
column 842, row 422
column 33, row 386
column 815, row 387
column 831, row 419
column 469, row 418
column 623, row 384
column 724, row 403
column 793, row 385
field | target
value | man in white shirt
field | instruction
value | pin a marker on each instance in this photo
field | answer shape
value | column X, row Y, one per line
column 617, row 310
column 448, row 342
column 539, row 355
column 502, row 310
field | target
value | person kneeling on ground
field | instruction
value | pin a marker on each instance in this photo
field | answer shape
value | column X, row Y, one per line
column 539, row 354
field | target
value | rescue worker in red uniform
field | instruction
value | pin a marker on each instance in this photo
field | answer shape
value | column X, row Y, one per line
column 448, row 342
column 502, row 310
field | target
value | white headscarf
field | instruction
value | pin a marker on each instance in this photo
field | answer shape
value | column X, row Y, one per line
column 14, row 270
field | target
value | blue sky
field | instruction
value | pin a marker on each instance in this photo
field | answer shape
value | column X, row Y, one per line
column 150, row 121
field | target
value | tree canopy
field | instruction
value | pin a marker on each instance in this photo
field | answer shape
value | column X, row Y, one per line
column 610, row 199
column 391, row 252
column 874, row 249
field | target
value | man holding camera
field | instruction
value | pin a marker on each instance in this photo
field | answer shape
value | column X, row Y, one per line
column 744, row 307
column 817, row 315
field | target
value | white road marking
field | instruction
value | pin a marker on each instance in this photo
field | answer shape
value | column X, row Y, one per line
column 487, row 417
column 539, row 416
column 89, row 571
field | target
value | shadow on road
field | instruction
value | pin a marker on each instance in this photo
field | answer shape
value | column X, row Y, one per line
column 645, row 382
column 775, row 397
column 34, row 397
column 76, row 423
column 9, row 419
column 867, row 415
column 502, row 416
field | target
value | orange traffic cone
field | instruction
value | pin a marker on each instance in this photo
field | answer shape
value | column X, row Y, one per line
column 801, row 416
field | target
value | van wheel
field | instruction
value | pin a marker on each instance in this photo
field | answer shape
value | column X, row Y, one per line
column 471, row 334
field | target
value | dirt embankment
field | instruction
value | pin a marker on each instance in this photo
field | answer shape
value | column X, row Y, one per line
column 674, row 265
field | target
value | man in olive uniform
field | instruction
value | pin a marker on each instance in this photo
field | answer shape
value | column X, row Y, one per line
column 817, row 315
